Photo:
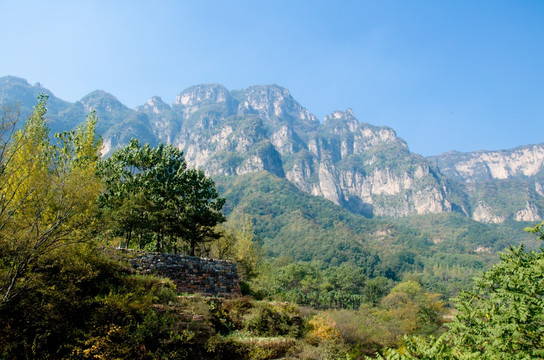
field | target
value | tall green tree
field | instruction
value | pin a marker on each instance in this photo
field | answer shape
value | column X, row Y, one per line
column 197, row 210
column 142, row 182
column 150, row 191
column 503, row 316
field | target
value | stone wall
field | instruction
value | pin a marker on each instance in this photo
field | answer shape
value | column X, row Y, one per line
column 190, row 274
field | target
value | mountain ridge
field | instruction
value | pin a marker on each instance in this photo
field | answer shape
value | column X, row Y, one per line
column 364, row 168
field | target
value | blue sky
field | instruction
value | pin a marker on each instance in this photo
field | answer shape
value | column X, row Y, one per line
column 446, row 75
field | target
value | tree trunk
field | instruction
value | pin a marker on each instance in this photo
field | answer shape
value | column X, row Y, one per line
column 193, row 245
column 159, row 241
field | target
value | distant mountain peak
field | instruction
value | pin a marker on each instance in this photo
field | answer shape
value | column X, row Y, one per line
column 271, row 90
column 340, row 115
column 204, row 93
column 273, row 102
column 13, row 80
column 155, row 101
column 101, row 100
column 154, row 104
column 99, row 94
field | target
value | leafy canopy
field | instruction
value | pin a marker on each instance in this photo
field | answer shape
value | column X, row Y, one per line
column 502, row 317
column 48, row 194
column 151, row 195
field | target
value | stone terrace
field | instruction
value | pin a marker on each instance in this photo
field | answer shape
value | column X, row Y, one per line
column 189, row 274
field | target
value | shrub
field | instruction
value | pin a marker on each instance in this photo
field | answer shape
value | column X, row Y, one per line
column 275, row 319
column 323, row 328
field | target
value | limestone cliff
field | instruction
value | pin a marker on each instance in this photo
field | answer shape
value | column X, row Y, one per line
column 525, row 161
column 364, row 168
column 349, row 163
column 264, row 128
column 500, row 185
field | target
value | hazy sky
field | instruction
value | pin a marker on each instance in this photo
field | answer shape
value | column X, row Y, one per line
column 463, row 75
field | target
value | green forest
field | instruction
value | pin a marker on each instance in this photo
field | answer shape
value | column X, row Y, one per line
column 318, row 282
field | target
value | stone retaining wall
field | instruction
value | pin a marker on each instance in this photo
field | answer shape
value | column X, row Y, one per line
column 190, row 274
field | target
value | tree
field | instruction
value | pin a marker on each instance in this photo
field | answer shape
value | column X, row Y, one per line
column 415, row 311
column 502, row 317
column 150, row 191
column 141, row 183
column 416, row 348
column 344, row 286
column 198, row 210
column 47, row 195
column 375, row 289
column 238, row 242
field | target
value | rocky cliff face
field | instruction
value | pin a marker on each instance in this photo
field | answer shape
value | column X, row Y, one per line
column 525, row 161
column 264, row 128
column 364, row 168
column 501, row 185
column 346, row 161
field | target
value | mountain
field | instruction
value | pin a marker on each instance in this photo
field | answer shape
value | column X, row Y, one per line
column 14, row 90
column 363, row 168
column 498, row 185
column 264, row 128
column 300, row 226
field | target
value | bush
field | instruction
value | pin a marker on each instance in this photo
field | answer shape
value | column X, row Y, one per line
column 275, row 319
column 236, row 309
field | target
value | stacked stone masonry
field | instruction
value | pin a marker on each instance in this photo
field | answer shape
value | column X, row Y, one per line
column 189, row 274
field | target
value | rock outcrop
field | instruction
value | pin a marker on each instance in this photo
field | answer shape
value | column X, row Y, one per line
column 525, row 161
column 499, row 185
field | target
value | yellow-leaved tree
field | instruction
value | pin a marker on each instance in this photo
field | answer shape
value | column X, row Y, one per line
column 48, row 194
column 239, row 243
